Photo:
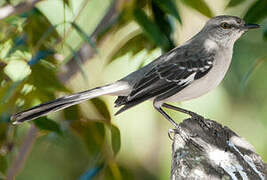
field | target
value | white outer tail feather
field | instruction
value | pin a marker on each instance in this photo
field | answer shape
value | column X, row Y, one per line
column 117, row 88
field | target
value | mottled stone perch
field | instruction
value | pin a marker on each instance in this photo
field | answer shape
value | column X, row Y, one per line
column 204, row 149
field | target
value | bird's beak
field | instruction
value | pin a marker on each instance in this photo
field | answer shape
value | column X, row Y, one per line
column 251, row 26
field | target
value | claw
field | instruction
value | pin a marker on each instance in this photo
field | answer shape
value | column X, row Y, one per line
column 170, row 133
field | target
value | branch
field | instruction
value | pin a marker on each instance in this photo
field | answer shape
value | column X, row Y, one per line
column 203, row 149
column 10, row 10
column 23, row 153
column 86, row 51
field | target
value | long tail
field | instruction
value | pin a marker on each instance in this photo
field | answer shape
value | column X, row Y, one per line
column 118, row 88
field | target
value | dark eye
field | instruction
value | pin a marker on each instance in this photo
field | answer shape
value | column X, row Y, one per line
column 226, row 25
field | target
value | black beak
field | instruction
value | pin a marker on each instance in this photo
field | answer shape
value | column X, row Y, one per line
column 251, row 26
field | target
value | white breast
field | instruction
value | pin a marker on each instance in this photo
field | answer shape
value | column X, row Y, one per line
column 210, row 81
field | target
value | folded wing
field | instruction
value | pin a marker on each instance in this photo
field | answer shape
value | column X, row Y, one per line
column 166, row 79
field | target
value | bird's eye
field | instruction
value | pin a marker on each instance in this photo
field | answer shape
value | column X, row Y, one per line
column 226, row 25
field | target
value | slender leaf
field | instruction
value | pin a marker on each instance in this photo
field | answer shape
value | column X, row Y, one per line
column 3, row 164
column 40, row 55
column 46, row 35
column 67, row 2
column 84, row 36
column 200, row 6
column 77, row 59
column 115, row 139
column 45, row 80
column 233, row 3
column 169, row 7
column 256, row 12
column 265, row 33
column 102, row 108
column 164, row 23
column 112, row 171
column 150, row 29
column 91, row 173
column 4, row 118
column 18, row 42
column 245, row 78
column 37, row 25
column 43, row 123
column 10, row 92
column 134, row 45
column 72, row 113
column 5, row 48
column 92, row 134
column 3, row 133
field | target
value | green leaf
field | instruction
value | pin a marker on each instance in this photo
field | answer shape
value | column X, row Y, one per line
column 256, row 12
column 72, row 113
column 45, row 80
column 169, row 7
column 133, row 46
column 92, row 172
column 115, row 139
column 3, row 130
column 9, row 92
column 17, row 70
column 36, row 27
column 20, row 55
column 233, row 3
column 84, row 36
column 265, row 33
column 102, row 108
column 3, row 164
column 165, row 23
column 5, row 49
column 92, row 134
column 200, row 6
column 43, row 123
column 67, row 2
column 245, row 78
column 150, row 29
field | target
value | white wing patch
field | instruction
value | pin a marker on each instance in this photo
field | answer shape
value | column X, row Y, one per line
column 187, row 80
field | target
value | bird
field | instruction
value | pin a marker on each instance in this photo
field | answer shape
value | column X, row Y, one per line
column 184, row 73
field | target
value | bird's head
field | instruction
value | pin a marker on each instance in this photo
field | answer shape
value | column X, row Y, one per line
column 225, row 30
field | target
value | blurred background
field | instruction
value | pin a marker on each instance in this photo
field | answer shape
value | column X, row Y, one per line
column 50, row 48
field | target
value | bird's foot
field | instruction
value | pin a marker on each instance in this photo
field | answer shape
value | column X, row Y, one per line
column 171, row 133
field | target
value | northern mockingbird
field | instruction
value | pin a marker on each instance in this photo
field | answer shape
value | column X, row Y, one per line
column 184, row 73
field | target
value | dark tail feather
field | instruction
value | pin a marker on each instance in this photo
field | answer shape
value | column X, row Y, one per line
column 66, row 101
column 131, row 104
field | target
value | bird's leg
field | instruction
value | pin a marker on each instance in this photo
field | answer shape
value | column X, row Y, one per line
column 190, row 113
column 159, row 109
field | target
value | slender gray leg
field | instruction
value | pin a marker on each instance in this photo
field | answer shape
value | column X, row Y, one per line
column 190, row 113
column 159, row 109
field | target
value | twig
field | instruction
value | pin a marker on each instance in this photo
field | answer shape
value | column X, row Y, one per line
column 86, row 51
column 23, row 153
column 10, row 10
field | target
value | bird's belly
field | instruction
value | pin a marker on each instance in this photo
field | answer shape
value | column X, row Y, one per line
column 203, row 85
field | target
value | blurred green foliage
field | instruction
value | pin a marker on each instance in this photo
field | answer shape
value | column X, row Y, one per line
column 36, row 46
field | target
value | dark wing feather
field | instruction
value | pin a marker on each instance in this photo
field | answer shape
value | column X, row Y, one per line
column 166, row 79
